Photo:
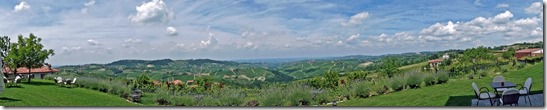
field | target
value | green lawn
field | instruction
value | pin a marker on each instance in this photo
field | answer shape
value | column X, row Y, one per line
column 46, row 93
column 457, row 92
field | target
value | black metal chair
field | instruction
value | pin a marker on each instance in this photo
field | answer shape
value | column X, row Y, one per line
column 483, row 95
column 510, row 97
column 525, row 90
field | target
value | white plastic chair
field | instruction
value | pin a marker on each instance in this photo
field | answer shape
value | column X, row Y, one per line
column 525, row 90
column 483, row 95
column 510, row 97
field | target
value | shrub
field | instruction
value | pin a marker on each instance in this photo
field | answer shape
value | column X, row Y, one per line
column 299, row 95
column 379, row 89
column 413, row 80
column 207, row 101
column 397, row 84
column 323, row 98
column 362, row 90
column 272, row 96
column 442, row 77
column 470, row 76
column 482, row 73
column 184, row 100
column 429, row 79
column 231, row 97
column 162, row 97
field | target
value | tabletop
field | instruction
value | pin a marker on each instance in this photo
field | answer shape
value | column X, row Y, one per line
column 505, row 85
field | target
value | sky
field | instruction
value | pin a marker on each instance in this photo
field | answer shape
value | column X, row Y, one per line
column 103, row 31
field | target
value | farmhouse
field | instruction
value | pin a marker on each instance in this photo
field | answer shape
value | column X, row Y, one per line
column 528, row 52
column 34, row 72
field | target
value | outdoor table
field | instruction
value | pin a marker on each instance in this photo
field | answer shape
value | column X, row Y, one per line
column 497, row 85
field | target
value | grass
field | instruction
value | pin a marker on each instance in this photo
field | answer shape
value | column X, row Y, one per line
column 46, row 93
column 456, row 92
column 413, row 66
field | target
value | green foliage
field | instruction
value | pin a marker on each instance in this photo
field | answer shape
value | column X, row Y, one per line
column 442, row 77
column 413, row 79
column 299, row 95
column 207, row 101
column 27, row 52
column 429, row 79
column 390, row 66
column 470, row 76
column 323, row 98
column 162, row 97
column 231, row 97
column 184, row 100
column 357, row 75
column 272, row 96
column 397, row 83
column 361, row 89
column 331, row 79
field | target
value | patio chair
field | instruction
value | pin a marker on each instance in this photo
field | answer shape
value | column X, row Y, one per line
column 525, row 90
column 73, row 81
column 510, row 97
column 499, row 79
column 483, row 95
column 17, row 80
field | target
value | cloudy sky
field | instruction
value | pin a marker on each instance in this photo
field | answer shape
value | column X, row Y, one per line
column 102, row 31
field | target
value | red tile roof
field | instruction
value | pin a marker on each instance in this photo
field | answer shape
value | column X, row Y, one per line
column 530, row 50
column 24, row 70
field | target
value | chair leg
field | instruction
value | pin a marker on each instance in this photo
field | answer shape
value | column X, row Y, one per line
column 529, row 100
column 477, row 102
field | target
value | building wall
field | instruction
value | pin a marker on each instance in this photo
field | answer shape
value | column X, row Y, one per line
column 520, row 55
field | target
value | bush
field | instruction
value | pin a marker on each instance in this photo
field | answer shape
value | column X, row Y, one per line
column 470, row 76
column 207, row 101
column 482, row 73
column 323, row 98
column 397, row 84
column 272, row 96
column 231, row 97
column 299, row 95
column 442, row 77
column 379, row 89
column 429, row 79
column 362, row 90
column 413, row 80
column 162, row 97
column 184, row 100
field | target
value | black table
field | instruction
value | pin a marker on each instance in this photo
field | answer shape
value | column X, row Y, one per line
column 497, row 85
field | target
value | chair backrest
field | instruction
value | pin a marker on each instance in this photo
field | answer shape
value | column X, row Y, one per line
column 528, row 84
column 499, row 79
column 510, row 96
column 477, row 92
column 74, row 81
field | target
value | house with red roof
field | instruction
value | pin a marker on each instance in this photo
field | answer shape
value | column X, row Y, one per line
column 528, row 52
column 36, row 72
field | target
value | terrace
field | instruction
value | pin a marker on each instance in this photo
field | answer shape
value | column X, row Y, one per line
column 537, row 100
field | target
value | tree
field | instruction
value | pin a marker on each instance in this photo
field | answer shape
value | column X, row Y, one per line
column 28, row 52
column 390, row 66
column 4, row 49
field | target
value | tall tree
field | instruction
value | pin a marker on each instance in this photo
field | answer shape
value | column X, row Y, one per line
column 4, row 49
column 390, row 65
column 28, row 52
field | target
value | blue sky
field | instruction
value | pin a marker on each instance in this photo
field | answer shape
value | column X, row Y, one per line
column 102, row 31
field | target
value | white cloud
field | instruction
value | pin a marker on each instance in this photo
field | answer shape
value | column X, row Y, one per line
column 211, row 42
column 22, row 6
column 171, row 31
column 68, row 50
column 503, row 5
column 155, row 11
column 87, row 6
column 180, row 45
column 352, row 39
column 356, row 19
column 133, row 40
column 535, row 8
column 478, row 2
column 250, row 45
column 501, row 24
column 92, row 42
column 90, row 3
